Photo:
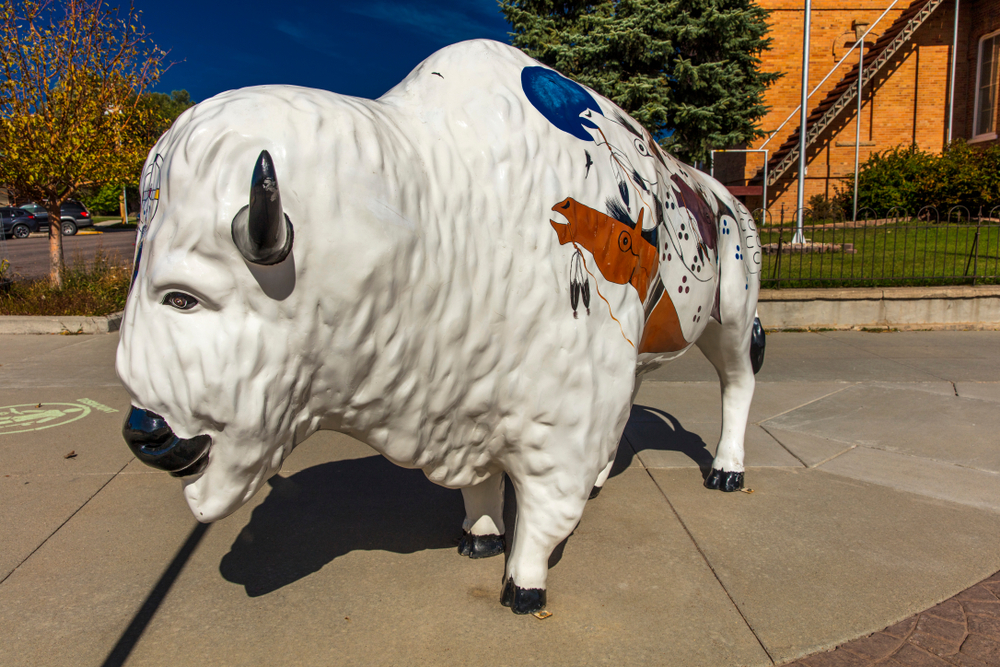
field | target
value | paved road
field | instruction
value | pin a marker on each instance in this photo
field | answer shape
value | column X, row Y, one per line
column 876, row 476
column 29, row 258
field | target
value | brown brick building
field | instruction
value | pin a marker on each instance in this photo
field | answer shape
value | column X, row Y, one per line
column 904, row 96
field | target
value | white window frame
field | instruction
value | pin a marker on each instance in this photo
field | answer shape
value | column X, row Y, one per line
column 987, row 136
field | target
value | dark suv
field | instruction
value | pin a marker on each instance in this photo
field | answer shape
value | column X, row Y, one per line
column 74, row 215
column 17, row 222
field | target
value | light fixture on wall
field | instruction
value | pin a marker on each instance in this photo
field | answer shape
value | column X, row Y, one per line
column 859, row 27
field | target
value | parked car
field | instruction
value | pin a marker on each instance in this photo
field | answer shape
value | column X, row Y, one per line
column 18, row 222
column 74, row 215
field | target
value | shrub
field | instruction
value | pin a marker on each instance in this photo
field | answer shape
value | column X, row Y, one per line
column 892, row 179
column 907, row 178
column 826, row 209
column 963, row 176
column 99, row 289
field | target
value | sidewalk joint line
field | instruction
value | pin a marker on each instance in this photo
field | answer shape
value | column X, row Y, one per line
column 59, row 527
column 837, row 455
column 782, row 445
column 711, row 569
column 890, row 359
column 820, row 398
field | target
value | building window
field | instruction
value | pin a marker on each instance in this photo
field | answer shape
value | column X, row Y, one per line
column 987, row 76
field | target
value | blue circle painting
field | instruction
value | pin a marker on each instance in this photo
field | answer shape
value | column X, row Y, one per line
column 560, row 100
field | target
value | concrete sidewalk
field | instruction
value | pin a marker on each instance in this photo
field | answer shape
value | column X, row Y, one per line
column 873, row 459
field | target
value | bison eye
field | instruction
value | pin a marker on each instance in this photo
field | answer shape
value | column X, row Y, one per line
column 180, row 301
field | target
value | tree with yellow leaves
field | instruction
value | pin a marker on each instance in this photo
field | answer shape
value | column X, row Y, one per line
column 71, row 78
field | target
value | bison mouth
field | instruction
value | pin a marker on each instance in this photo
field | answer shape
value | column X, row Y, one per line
column 154, row 443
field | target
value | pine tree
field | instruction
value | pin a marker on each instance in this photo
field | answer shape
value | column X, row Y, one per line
column 689, row 70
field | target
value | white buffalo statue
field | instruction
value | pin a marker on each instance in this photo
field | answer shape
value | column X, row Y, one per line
column 470, row 274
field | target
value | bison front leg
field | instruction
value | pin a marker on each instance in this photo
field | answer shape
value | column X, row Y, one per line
column 483, row 526
column 728, row 348
column 546, row 514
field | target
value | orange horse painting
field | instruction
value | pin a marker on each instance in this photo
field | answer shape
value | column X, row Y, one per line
column 623, row 256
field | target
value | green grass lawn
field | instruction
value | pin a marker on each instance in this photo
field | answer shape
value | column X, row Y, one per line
column 132, row 218
column 898, row 254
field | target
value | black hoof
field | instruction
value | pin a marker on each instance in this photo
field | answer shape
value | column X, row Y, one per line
column 724, row 481
column 481, row 546
column 522, row 600
column 594, row 492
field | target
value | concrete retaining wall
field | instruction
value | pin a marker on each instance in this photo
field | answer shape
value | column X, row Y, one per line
column 964, row 307
column 60, row 324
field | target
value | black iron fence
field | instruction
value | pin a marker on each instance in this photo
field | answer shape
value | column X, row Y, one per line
column 895, row 249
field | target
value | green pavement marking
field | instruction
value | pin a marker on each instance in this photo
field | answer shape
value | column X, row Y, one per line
column 39, row 416
column 94, row 404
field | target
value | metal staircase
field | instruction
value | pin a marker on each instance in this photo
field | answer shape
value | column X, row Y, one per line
column 845, row 93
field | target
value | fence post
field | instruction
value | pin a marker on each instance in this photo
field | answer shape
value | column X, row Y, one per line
column 776, row 276
column 975, row 259
column 974, row 255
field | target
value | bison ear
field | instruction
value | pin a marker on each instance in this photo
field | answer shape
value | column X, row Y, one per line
column 262, row 231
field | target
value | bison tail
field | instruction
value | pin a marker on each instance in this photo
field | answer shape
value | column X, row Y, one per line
column 757, row 343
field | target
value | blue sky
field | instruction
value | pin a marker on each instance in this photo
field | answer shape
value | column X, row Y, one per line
column 360, row 48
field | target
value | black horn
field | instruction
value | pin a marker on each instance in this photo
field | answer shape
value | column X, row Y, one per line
column 262, row 231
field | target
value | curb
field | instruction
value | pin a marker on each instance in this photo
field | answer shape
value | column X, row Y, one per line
column 959, row 307
column 60, row 324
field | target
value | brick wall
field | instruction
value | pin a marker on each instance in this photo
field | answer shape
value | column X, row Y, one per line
column 906, row 104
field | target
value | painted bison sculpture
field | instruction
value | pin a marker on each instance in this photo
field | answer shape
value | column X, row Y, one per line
column 470, row 274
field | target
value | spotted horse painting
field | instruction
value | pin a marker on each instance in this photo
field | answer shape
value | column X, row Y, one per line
column 688, row 248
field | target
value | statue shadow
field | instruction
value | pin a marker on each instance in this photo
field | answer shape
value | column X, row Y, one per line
column 652, row 429
column 647, row 429
column 329, row 510
column 369, row 504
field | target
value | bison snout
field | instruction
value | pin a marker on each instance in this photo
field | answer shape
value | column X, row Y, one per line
column 155, row 444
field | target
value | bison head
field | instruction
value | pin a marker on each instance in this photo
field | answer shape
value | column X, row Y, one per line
column 219, row 347
column 242, row 336
column 199, row 352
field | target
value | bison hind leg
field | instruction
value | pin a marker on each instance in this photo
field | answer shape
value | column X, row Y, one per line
column 724, row 481
column 481, row 546
column 728, row 347
column 483, row 527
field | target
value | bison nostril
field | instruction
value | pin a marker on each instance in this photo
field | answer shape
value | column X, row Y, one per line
column 153, row 442
column 146, row 428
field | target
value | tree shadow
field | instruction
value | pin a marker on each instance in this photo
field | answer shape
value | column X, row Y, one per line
column 332, row 509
